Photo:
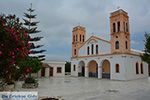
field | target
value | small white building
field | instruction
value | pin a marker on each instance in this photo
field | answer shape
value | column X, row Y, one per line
column 50, row 69
column 113, row 59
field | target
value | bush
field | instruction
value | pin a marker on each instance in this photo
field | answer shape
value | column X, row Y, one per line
column 68, row 67
column 30, row 80
column 9, row 82
column 14, row 46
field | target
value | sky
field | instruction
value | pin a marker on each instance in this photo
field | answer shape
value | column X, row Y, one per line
column 58, row 17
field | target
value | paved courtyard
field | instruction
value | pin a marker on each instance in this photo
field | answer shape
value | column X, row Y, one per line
column 80, row 88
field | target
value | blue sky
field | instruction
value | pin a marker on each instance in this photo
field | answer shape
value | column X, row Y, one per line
column 58, row 17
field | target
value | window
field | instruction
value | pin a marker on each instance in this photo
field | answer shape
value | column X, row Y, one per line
column 118, row 26
column 103, row 70
column 117, row 45
column 114, row 27
column 126, row 45
column 127, row 27
column 117, row 68
column 83, row 38
column 137, row 68
column 80, row 38
column 96, row 49
column 74, row 67
column 92, row 47
column 73, row 38
column 88, row 50
column 76, row 37
column 141, row 68
column 149, row 69
column 74, row 51
column 124, row 26
column 58, row 69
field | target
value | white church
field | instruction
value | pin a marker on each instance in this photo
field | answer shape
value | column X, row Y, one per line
column 112, row 59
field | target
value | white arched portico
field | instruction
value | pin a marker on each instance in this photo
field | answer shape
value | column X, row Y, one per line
column 93, row 68
column 81, row 68
column 105, row 69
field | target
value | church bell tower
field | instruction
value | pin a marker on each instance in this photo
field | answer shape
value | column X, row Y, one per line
column 119, row 32
column 78, row 38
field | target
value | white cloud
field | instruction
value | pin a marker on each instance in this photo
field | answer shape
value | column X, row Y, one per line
column 134, row 42
column 58, row 17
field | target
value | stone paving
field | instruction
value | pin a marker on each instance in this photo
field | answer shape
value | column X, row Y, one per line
column 80, row 88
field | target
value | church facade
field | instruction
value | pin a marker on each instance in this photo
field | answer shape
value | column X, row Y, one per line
column 113, row 59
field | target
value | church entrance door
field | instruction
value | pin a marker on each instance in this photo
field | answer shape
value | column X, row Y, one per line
column 106, row 69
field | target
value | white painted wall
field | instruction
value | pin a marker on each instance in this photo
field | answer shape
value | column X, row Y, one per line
column 126, row 62
column 117, row 59
column 55, row 70
column 74, row 62
column 104, row 47
column 54, row 65
column 131, row 68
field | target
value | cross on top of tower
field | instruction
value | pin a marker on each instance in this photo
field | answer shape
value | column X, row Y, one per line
column 79, row 24
column 118, row 7
column 92, row 33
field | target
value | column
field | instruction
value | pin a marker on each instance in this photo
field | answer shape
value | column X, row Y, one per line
column 63, row 70
column 47, row 72
column 72, row 69
column 99, row 72
column 86, row 71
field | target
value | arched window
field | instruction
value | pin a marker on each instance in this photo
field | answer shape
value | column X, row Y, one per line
column 74, row 51
column 149, row 69
column 74, row 67
column 80, row 38
column 92, row 47
column 124, row 26
column 114, row 27
column 73, row 38
column 117, row 68
column 126, row 45
column 76, row 37
column 137, row 68
column 141, row 68
column 96, row 49
column 117, row 45
column 83, row 38
column 88, row 50
column 118, row 23
column 127, row 27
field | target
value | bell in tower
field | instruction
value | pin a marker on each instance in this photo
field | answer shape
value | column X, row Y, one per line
column 119, row 31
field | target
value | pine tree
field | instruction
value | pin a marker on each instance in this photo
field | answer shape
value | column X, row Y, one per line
column 31, row 28
column 146, row 56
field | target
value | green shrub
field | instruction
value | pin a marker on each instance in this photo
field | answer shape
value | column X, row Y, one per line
column 9, row 82
column 30, row 80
